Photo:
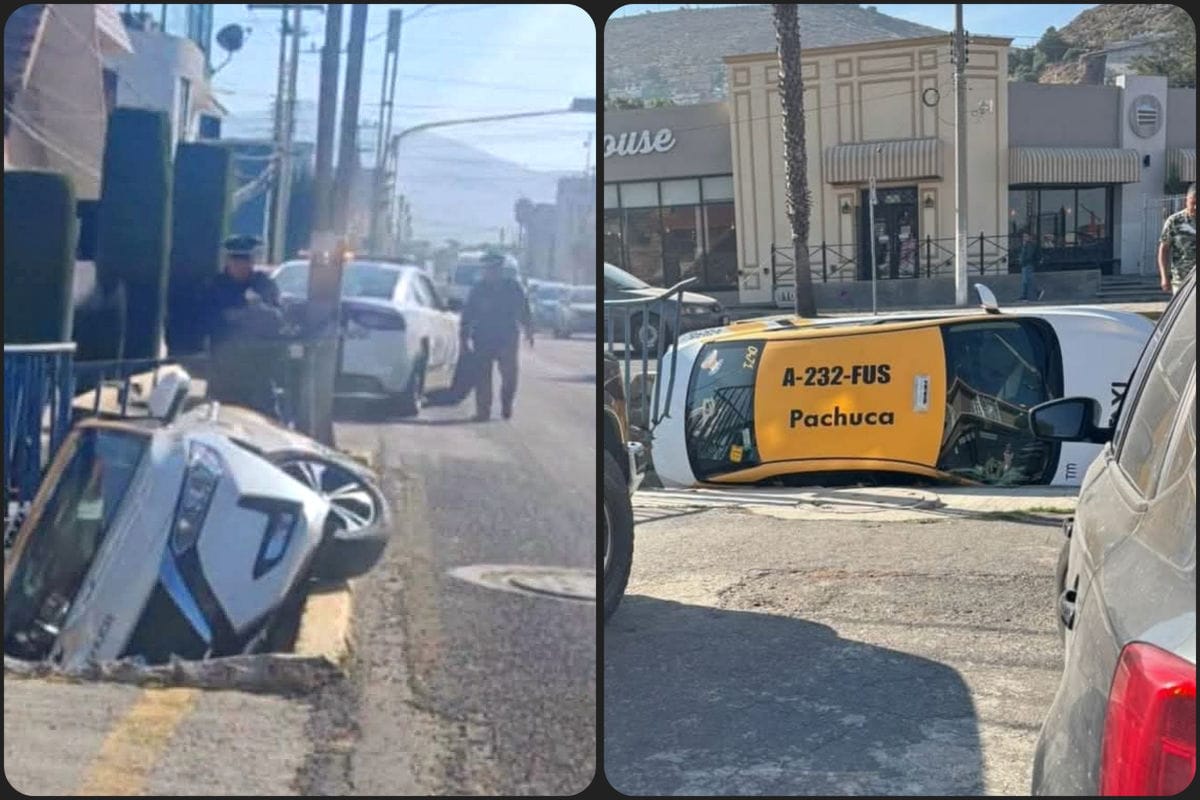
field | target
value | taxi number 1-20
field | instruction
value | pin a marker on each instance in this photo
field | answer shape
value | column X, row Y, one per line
column 838, row 375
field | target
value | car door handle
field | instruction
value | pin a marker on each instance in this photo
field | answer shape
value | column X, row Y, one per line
column 1066, row 608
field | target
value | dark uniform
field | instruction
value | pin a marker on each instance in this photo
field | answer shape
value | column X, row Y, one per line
column 492, row 319
column 244, row 336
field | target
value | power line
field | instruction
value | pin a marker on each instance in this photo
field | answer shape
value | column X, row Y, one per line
column 44, row 140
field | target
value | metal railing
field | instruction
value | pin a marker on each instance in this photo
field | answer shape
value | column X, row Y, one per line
column 934, row 258
column 635, row 318
column 38, row 387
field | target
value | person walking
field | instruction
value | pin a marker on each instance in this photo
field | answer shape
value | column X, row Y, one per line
column 493, row 316
column 1177, row 245
column 1028, row 258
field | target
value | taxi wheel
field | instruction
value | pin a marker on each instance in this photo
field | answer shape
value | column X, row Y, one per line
column 618, row 535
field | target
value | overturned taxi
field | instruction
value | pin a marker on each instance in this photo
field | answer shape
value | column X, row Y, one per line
column 939, row 397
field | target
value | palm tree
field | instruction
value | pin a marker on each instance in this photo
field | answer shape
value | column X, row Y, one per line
column 799, row 203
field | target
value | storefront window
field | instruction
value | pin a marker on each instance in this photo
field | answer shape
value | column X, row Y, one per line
column 1091, row 214
column 667, row 231
column 614, row 246
column 1070, row 224
column 644, row 244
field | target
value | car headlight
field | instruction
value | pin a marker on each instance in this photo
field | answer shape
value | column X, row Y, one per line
column 204, row 472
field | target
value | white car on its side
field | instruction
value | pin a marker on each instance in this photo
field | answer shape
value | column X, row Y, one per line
column 400, row 339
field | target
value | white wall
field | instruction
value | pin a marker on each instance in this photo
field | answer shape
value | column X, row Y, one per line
column 149, row 78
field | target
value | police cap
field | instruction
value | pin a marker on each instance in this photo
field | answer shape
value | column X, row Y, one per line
column 242, row 245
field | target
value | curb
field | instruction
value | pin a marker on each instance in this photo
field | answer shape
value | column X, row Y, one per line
column 326, row 630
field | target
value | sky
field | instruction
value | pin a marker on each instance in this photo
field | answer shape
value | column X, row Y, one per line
column 455, row 61
column 1023, row 22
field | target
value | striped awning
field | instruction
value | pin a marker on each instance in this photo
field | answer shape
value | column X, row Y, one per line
column 1182, row 162
column 901, row 159
column 1073, row 165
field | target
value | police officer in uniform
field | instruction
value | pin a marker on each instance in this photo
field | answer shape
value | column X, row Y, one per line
column 243, row 321
column 495, row 312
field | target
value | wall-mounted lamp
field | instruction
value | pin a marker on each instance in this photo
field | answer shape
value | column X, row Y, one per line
column 928, row 202
column 1146, row 160
column 846, row 207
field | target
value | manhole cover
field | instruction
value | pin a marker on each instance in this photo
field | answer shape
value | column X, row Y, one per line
column 557, row 582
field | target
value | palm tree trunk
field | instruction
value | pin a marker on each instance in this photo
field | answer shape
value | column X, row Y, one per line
column 799, row 204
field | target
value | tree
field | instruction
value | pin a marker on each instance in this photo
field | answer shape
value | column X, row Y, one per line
column 1052, row 45
column 799, row 202
column 1174, row 56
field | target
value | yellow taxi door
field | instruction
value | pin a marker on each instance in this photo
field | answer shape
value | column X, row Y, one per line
column 870, row 400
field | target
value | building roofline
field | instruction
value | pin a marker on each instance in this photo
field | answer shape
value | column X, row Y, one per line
column 881, row 44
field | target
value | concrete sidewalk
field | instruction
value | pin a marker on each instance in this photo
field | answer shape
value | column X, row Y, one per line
column 877, row 504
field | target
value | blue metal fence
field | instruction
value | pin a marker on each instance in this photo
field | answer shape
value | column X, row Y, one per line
column 39, row 382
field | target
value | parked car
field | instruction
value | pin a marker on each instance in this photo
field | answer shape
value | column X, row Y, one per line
column 1123, row 721
column 400, row 339
column 544, row 298
column 696, row 312
column 624, row 469
column 576, row 312
column 931, row 396
column 182, row 534
column 467, row 272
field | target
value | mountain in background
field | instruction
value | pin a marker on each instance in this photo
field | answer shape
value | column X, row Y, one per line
column 461, row 192
column 677, row 55
column 1154, row 38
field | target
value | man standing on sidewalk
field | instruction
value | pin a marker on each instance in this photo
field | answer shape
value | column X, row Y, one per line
column 1177, row 245
column 1028, row 258
column 493, row 316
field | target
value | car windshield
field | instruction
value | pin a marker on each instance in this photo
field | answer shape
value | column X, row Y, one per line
column 359, row 279
column 587, row 295
column 996, row 372
column 66, row 535
column 620, row 279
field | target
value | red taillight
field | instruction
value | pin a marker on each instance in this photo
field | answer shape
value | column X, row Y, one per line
column 1150, row 729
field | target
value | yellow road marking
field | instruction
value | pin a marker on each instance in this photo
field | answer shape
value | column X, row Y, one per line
column 133, row 746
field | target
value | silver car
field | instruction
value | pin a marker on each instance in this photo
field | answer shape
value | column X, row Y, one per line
column 1124, row 719
column 185, row 535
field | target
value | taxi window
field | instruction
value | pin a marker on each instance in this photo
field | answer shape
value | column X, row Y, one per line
column 995, row 372
column 720, row 408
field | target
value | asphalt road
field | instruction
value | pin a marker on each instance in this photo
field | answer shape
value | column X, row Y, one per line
column 756, row 655
column 459, row 688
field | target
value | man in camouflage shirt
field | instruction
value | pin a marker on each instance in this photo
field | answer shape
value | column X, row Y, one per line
column 1177, row 245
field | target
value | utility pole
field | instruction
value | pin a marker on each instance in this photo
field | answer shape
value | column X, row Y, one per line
column 387, row 97
column 960, row 158
column 326, row 118
column 285, row 114
column 279, row 244
column 280, row 91
column 347, row 165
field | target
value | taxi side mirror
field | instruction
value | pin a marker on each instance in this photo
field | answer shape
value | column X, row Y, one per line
column 1071, row 419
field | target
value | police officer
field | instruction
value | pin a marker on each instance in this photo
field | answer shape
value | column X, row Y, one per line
column 238, row 278
column 243, row 320
column 493, row 316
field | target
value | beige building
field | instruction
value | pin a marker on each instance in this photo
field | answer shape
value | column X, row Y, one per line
column 1088, row 171
column 883, row 110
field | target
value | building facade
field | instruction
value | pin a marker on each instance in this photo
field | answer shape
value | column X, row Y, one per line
column 168, row 68
column 575, row 230
column 1086, row 170
column 669, row 195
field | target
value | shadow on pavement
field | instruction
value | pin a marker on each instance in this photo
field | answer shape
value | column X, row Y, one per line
column 708, row 701
column 377, row 413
